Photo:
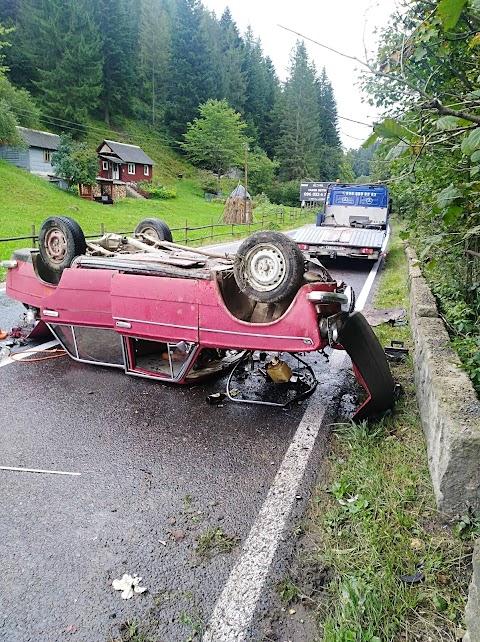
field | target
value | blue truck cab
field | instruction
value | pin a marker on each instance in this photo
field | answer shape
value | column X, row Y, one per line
column 366, row 206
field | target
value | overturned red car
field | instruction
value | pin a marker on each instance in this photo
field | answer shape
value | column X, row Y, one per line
column 160, row 310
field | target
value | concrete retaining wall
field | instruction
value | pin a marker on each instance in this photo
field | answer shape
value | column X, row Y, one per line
column 449, row 407
column 450, row 414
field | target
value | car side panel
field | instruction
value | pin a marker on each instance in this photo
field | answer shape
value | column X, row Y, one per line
column 295, row 331
column 81, row 298
column 155, row 308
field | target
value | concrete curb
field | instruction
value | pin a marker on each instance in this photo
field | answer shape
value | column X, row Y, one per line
column 450, row 415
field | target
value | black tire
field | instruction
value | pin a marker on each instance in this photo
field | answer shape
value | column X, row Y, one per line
column 368, row 357
column 155, row 228
column 60, row 240
column 269, row 267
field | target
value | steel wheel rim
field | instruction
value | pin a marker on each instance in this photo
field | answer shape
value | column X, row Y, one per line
column 56, row 245
column 265, row 267
column 150, row 231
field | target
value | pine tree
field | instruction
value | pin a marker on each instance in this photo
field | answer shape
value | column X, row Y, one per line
column 331, row 155
column 117, row 52
column 154, row 42
column 328, row 112
column 234, row 83
column 297, row 149
column 70, row 76
column 190, row 75
column 262, row 92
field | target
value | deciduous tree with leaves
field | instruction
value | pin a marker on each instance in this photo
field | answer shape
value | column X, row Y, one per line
column 426, row 78
column 74, row 162
column 216, row 140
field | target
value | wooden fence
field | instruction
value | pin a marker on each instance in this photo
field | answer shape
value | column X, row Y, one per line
column 208, row 232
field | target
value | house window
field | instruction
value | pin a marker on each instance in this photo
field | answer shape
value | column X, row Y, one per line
column 146, row 170
column 105, row 165
column 46, row 155
column 131, row 168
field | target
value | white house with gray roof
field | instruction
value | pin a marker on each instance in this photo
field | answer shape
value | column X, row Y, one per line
column 35, row 157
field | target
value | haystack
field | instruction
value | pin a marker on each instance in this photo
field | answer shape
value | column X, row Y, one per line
column 235, row 207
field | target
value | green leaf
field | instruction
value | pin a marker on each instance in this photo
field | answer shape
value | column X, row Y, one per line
column 472, row 142
column 404, row 235
column 370, row 140
column 447, row 122
column 419, row 54
column 397, row 151
column 476, row 156
column 440, row 603
column 449, row 11
column 431, row 264
column 391, row 128
column 475, row 41
column 451, row 215
column 447, row 195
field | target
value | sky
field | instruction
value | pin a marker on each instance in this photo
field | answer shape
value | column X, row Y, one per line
column 345, row 25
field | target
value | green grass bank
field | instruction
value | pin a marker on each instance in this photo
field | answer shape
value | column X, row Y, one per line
column 388, row 567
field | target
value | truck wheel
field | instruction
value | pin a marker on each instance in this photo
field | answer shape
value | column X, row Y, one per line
column 269, row 267
column 370, row 366
column 155, row 228
column 60, row 240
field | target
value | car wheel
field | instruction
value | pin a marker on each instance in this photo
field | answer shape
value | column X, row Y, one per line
column 269, row 267
column 60, row 240
column 372, row 370
column 155, row 228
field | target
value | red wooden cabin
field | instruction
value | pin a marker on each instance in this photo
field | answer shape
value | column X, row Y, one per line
column 122, row 162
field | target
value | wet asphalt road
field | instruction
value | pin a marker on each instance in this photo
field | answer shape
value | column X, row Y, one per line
column 159, row 469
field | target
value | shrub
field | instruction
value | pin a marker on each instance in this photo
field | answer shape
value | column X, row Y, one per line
column 160, row 192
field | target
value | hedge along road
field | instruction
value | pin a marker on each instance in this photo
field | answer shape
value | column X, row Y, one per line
column 160, row 472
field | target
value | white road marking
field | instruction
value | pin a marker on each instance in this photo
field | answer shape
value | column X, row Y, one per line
column 235, row 608
column 29, row 353
column 362, row 299
column 37, row 470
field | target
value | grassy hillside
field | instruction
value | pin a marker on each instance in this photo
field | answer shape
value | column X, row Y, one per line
column 27, row 200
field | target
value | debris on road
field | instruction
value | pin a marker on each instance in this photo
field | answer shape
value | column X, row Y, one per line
column 394, row 316
column 129, row 585
column 396, row 351
column 216, row 398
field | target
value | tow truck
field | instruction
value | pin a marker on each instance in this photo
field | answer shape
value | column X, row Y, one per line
column 353, row 223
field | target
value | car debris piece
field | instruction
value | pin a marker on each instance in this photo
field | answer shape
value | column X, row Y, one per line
column 129, row 585
column 396, row 351
column 215, row 398
column 394, row 316
column 158, row 310
column 279, row 371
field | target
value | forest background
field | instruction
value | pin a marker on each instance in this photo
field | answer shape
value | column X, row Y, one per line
column 156, row 62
